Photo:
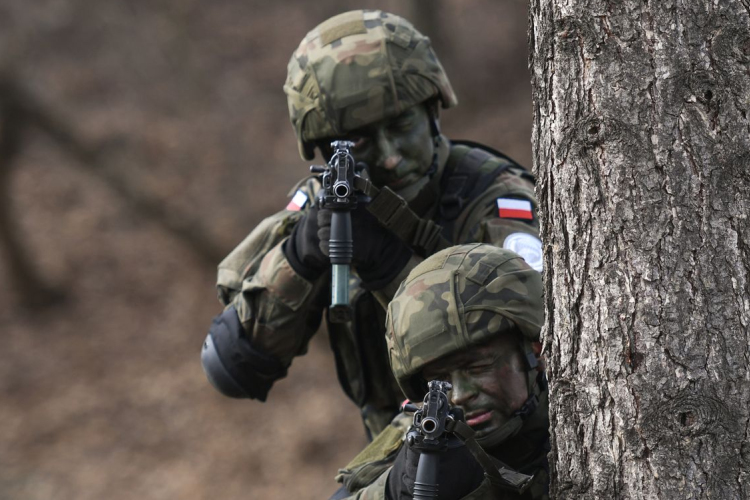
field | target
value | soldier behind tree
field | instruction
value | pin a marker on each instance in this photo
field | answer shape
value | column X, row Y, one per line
column 371, row 78
column 469, row 315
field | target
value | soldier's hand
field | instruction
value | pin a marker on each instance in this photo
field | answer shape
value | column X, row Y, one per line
column 379, row 255
column 459, row 473
column 302, row 249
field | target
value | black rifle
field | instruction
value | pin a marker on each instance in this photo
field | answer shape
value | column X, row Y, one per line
column 338, row 195
column 434, row 424
column 429, row 435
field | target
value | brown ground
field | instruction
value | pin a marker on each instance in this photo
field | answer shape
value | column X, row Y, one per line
column 102, row 395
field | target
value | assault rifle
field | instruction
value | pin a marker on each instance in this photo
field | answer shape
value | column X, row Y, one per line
column 429, row 435
column 338, row 195
column 433, row 425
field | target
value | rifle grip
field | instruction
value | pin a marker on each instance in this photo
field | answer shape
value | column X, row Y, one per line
column 426, row 482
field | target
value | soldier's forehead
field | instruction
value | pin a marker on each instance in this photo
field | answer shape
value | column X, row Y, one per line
column 503, row 348
column 409, row 112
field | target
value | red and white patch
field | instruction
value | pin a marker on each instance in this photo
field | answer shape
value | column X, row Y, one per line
column 298, row 202
column 511, row 208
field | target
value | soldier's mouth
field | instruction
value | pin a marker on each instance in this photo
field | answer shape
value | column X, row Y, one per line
column 406, row 180
column 479, row 417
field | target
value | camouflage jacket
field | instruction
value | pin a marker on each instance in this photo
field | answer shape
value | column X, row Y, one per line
column 366, row 476
column 281, row 311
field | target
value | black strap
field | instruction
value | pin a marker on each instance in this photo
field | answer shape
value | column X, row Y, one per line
column 463, row 182
column 525, row 173
column 490, row 150
column 460, row 182
column 394, row 213
column 500, row 475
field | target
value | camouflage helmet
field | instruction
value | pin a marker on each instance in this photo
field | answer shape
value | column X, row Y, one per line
column 459, row 297
column 358, row 68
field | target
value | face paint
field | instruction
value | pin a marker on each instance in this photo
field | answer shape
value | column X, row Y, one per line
column 489, row 382
column 397, row 151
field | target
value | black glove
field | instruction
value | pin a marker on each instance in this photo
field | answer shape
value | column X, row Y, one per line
column 379, row 255
column 459, row 473
column 302, row 249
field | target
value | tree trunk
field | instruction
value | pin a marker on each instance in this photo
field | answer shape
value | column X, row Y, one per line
column 642, row 151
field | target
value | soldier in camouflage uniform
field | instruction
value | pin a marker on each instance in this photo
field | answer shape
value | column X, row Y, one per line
column 470, row 315
column 371, row 78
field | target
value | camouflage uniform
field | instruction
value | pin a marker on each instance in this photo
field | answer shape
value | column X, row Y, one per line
column 458, row 298
column 332, row 88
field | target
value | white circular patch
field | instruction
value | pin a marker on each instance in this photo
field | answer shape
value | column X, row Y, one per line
column 527, row 246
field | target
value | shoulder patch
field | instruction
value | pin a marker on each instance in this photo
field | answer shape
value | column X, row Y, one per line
column 298, row 201
column 514, row 208
column 528, row 246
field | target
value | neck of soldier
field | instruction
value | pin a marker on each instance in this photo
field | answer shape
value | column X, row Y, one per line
column 530, row 444
column 422, row 195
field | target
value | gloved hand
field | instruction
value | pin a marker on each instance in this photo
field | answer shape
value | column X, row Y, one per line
column 379, row 255
column 459, row 473
column 302, row 249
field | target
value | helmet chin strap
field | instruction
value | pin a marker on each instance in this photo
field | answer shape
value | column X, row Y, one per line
column 426, row 187
column 436, row 138
column 516, row 423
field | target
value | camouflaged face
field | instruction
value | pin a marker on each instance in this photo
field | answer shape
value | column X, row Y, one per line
column 358, row 68
column 459, row 297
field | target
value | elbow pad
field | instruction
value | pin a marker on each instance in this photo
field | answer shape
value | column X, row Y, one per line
column 232, row 365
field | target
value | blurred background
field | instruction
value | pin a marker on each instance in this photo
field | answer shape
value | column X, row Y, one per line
column 140, row 140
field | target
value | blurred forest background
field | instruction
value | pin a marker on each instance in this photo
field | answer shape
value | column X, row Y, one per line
column 140, row 140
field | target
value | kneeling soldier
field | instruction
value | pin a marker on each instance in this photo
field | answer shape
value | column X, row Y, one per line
column 469, row 315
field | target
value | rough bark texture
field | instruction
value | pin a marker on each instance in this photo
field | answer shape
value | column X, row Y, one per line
column 642, row 151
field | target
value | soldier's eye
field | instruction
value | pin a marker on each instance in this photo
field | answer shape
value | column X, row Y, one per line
column 401, row 125
column 480, row 368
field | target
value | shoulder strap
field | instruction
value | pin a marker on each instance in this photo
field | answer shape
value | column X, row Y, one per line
column 525, row 173
column 501, row 476
column 393, row 212
column 464, row 181
column 491, row 150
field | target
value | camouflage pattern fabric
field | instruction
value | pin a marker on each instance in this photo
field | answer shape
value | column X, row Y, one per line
column 280, row 311
column 358, row 68
column 459, row 297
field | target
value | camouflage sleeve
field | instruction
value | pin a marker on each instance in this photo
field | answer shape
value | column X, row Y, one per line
column 505, row 215
column 278, row 309
column 373, row 491
column 367, row 474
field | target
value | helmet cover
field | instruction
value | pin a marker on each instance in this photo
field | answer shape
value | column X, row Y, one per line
column 358, row 68
column 459, row 297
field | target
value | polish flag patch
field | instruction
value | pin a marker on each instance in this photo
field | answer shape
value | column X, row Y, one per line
column 298, row 201
column 512, row 208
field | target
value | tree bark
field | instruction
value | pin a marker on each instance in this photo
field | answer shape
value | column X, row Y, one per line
column 642, row 151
